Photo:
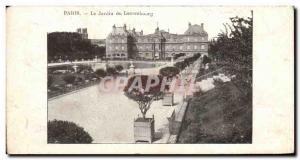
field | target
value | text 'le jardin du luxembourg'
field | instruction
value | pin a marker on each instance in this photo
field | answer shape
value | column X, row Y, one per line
column 107, row 13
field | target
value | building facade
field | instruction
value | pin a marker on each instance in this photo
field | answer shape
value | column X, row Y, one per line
column 123, row 43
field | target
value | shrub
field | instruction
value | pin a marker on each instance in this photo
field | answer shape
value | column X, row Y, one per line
column 119, row 68
column 84, row 68
column 69, row 79
column 67, row 132
column 111, row 71
column 100, row 73
column 169, row 71
column 218, row 82
column 79, row 79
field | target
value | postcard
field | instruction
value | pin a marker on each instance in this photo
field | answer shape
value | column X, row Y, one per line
column 150, row 80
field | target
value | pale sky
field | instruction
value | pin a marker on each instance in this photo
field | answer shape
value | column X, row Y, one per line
column 175, row 19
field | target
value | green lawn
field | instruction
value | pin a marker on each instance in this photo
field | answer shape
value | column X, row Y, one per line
column 221, row 115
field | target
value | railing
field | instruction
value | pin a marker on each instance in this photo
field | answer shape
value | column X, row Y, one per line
column 104, row 60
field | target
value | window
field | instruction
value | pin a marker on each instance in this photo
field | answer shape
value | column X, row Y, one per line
column 195, row 47
column 117, row 47
column 203, row 38
column 202, row 46
column 181, row 47
column 122, row 48
column 188, row 47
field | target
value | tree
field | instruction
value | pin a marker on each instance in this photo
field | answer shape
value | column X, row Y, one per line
column 233, row 47
column 178, row 55
column 70, row 46
column 111, row 71
column 100, row 73
column 143, row 95
column 181, row 65
column 69, row 79
column 98, row 51
column 187, row 61
column 66, row 132
column 206, row 60
column 119, row 68
column 169, row 71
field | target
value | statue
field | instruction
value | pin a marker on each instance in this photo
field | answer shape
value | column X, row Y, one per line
column 75, row 68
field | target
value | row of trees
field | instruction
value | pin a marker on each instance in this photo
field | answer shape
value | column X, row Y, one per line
column 71, row 46
column 233, row 47
column 187, row 61
column 178, row 55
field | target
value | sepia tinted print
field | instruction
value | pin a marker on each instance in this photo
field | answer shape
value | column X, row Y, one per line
column 187, row 80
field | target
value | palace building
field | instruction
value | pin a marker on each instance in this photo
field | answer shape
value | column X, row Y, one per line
column 123, row 43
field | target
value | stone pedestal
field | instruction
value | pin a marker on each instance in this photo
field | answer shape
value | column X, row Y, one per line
column 144, row 130
column 131, row 70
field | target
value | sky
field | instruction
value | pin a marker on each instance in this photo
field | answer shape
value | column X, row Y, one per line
column 174, row 19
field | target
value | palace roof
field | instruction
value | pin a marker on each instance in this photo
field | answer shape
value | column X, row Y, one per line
column 195, row 29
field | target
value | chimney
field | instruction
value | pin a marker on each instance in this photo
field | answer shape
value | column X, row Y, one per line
column 157, row 29
column 141, row 32
column 202, row 26
column 84, row 30
column 79, row 30
column 133, row 30
column 114, row 26
column 190, row 24
column 124, row 26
